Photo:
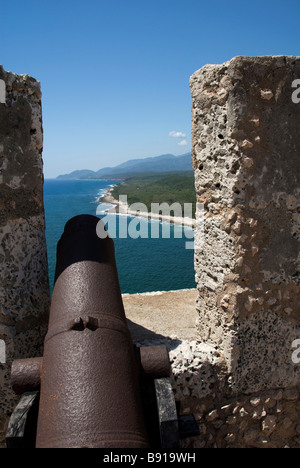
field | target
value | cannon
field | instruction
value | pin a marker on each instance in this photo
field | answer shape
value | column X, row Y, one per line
column 93, row 388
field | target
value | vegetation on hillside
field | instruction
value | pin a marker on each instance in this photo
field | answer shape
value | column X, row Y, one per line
column 172, row 187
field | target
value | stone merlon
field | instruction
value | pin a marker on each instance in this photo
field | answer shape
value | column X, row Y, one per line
column 245, row 151
column 24, row 288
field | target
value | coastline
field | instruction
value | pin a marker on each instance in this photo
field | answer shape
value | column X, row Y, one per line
column 123, row 208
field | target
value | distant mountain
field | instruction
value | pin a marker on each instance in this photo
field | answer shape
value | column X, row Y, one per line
column 163, row 163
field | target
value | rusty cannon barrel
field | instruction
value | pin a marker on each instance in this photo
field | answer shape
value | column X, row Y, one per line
column 89, row 394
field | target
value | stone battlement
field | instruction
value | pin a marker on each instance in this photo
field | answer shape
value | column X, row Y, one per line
column 24, row 288
column 235, row 346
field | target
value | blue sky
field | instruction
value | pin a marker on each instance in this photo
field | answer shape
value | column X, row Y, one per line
column 115, row 75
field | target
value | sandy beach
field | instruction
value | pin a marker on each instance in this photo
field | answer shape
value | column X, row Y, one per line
column 161, row 314
column 125, row 209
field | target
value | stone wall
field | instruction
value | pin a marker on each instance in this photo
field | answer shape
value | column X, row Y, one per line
column 245, row 151
column 24, row 288
column 237, row 377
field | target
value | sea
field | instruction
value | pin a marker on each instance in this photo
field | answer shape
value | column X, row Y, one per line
column 145, row 264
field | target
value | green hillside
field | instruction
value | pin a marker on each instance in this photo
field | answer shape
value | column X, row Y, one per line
column 158, row 188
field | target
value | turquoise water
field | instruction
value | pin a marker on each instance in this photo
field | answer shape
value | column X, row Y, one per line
column 144, row 264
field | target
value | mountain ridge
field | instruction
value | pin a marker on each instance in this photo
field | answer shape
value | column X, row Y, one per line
column 161, row 163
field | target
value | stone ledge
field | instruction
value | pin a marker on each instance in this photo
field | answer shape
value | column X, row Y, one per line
column 162, row 315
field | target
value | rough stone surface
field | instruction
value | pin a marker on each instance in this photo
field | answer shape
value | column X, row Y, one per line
column 233, row 421
column 269, row 418
column 237, row 375
column 24, row 288
column 245, row 151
